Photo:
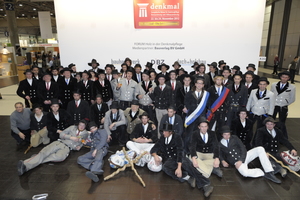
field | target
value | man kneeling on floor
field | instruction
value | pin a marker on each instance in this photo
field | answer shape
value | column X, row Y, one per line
column 233, row 152
column 93, row 160
column 175, row 164
column 57, row 151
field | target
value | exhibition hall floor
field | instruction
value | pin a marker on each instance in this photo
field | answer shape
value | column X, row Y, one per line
column 67, row 180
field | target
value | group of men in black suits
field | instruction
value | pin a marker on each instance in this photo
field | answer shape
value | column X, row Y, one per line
column 175, row 101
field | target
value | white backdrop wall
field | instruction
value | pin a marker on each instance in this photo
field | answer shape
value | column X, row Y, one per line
column 212, row 30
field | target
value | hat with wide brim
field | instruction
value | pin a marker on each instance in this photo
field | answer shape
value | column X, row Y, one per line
column 269, row 119
column 167, row 127
column 242, row 109
column 114, row 105
column 115, row 71
column 195, row 64
column 92, row 124
column 149, row 65
column 176, row 63
column 71, row 65
column 214, row 64
column 225, row 129
column 135, row 102
column 160, row 76
column 144, row 114
column 94, row 61
column 251, row 65
column 28, row 71
column 263, row 79
column 236, row 67
column 284, row 73
column 66, row 69
column 222, row 62
column 86, row 72
column 167, row 66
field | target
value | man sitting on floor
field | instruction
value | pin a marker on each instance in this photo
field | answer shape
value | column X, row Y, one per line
column 233, row 152
column 143, row 138
column 93, row 160
column 175, row 164
column 57, row 151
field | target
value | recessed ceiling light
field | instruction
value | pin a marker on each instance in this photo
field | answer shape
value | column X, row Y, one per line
column 51, row 13
column 20, row 4
column 33, row 8
column 23, row 14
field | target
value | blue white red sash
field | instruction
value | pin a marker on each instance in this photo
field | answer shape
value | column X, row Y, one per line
column 197, row 112
column 216, row 105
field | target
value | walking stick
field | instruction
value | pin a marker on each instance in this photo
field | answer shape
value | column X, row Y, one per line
column 130, row 164
column 29, row 147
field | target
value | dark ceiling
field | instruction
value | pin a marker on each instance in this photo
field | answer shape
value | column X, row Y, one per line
column 27, row 16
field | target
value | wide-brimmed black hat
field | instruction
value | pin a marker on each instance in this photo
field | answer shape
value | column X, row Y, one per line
column 167, row 127
column 37, row 105
column 71, row 65
column 54, row 68
column 65, row 69
column 135, row 102
column 114, row 105
column 186, row 75
column 54, row 101
column 28, row 71
column 242, row 109
column 225, row 129
column 251, row 65
column 93, row 61
column 144, row 114
column 160, row 75
column 284, row 73
column 86, row 72
column 222, row 62
column 236, row 67
column 147, row 72
column 46, row 73
column 172, row 71
column 269, row 119
column 214, row 64
column 195, row 64
column 115, row 71
column 92, row 124
column 250, row 73
column 182, row 69
column 109, row 65
column 263, row 79
column 238, row 73
column 203, row 120
column 149, row 65
column 176, row 63
column 77, row 92
column 167, row 66
column 101, row 71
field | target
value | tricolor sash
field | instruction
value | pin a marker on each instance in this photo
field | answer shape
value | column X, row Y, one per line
column 216, row 105
column 197, row 112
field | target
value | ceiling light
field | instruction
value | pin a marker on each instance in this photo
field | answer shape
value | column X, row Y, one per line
column 4, row 51
column 20, row 4
column 51, row 13
column 23, row 14
column 33, row 8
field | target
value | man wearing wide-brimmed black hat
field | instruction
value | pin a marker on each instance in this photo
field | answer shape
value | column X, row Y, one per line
column 233, row 152
column 66, row 86
column 175, row 86
column 248, row 81
column 149, row 66
column 175, row 163
column 47, row 90
column 213, row 71
column 27, row 89
column 204, row 150
column 221, row 65
column 194, row 66
column 102, row 86
column 86, row 87
column 144, row 89
column 188, row 85
column 55, row 74
column 251, row 67
column 201, row 73
column 115, row 125
column 285, row 94
column 164, row 68
column 270, row 138
column 132, row 115
column 94, row 64
column 98, row 110
column 114, row 84
column 57, row 120
column 78, row 108
column 261, row 102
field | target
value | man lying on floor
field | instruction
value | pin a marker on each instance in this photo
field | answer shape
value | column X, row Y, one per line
column 57, row 151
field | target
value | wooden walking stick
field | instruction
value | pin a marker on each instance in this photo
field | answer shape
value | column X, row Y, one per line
column 284, row 166
column 130, row 164
column 29, row 147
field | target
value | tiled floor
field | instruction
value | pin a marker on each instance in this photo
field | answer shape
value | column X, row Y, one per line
column 67, row 180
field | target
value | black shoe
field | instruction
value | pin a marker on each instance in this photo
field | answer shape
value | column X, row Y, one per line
column 21, row 168
column 92, row 176
column 192, row 182
column 20, row 145
column 208, row 189
column 272, row 177
column 217, row 171
column 283, row 172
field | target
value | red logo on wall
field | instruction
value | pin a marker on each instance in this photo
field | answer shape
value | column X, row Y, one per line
column 158, row 14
